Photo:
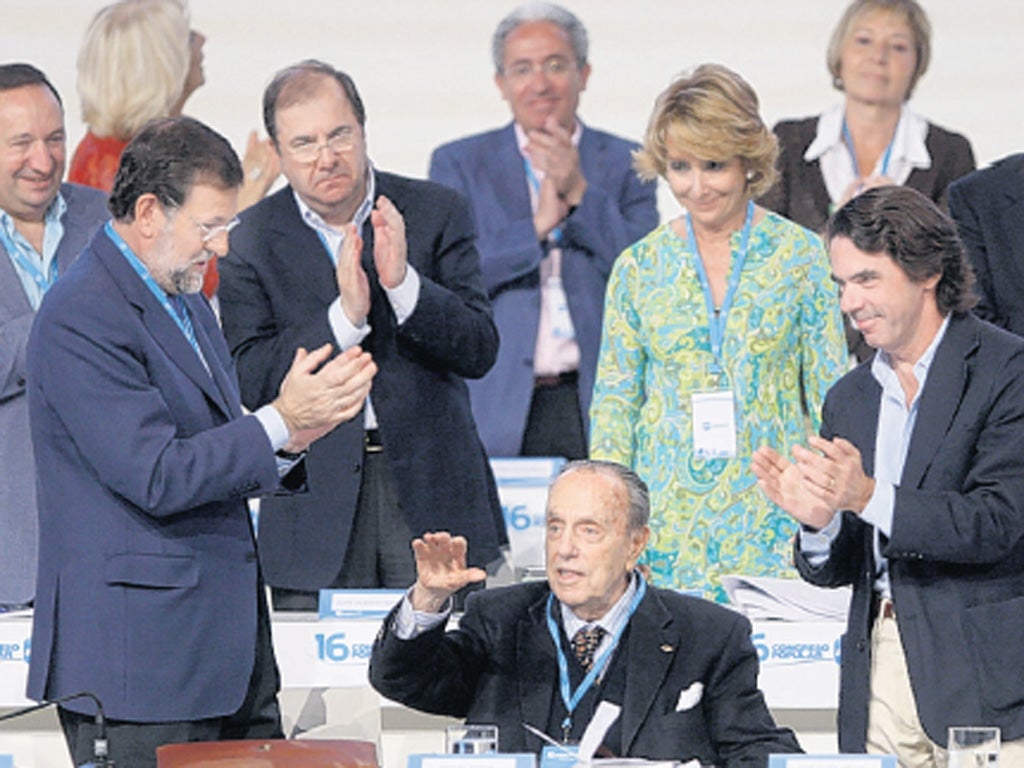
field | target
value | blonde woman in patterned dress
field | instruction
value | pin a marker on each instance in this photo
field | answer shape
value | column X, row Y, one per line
column 722, row 333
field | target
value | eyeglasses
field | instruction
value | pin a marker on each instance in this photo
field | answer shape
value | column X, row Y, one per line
column 208, row 232
column 307, row 151
column 556, row 66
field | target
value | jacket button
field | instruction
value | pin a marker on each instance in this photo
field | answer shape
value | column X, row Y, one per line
column 861, row 645
column 356, row 467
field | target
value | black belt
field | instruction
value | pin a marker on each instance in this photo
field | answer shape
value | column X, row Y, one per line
column 882, row 607
column 373, row 442
column 557, row 380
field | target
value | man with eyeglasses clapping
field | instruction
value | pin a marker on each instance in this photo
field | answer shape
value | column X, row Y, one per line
column 349, row 254
column 555, row 202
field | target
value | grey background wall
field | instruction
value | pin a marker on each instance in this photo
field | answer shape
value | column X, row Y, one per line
column 423, row 66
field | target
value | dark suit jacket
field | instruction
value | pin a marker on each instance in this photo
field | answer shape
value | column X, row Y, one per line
column 616, row 211
column 147, row 592
column 800, row 192
column 500, row 667
column 956, row 554
column 276, row 286
column 988, row 206
column 86, row 210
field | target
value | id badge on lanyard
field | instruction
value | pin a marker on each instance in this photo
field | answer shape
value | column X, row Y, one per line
column 714, row 423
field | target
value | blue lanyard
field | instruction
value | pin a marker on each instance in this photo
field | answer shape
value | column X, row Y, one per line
column 178, row 313
column 572, row 699
column 717, row 319
column 556, row 233
column 848, row 139
column 43, row 280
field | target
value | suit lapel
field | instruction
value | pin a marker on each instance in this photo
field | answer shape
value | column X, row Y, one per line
column 158, row 323
column 230, row 398
column 310, row 266
column 863, row 427
column 653, row 644
column 940, row 398
column 13, row 301
column 592, row 150
column 509, row 178
column 533, row 650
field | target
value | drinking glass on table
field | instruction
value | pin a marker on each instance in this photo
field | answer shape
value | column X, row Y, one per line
column 973, row 747
column 470, row 739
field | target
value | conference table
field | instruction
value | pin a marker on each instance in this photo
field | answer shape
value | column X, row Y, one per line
column 328, row 659
column 323, row 661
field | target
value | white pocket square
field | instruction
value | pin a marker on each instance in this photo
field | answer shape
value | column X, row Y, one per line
column 690, row 697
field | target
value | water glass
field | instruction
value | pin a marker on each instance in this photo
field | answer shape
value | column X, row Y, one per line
column 973, row 747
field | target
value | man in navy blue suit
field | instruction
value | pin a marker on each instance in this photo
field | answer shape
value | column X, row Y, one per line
column 555, row 202
column 149, row 594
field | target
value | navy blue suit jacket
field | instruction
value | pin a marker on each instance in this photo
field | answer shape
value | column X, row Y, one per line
column 616, row 211
column 501, row 667
column 147, row 590
column 988, row 206
column 276, row 286
column 956, row 553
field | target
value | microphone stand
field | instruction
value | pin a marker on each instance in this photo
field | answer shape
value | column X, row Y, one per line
column 100, row 752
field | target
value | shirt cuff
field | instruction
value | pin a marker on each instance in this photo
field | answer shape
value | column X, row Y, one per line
column 277, row 432
column 816, row 545
column 410, row 623
column 405, row 295
column 879, row 509
column 273, row 424
column 345, row 334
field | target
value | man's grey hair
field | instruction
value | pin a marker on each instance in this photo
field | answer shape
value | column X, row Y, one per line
column 540, row 11
column 639, row 511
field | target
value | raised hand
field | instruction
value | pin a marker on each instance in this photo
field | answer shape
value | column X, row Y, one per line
column 440, row 570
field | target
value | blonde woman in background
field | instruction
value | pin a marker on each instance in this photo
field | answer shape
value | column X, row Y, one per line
column 141, row 60
column 878, row 52
column 718, row 326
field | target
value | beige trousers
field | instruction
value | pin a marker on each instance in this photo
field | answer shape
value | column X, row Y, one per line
column 893, row 724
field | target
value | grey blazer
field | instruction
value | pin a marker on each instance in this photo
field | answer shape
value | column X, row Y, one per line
column 87, row 210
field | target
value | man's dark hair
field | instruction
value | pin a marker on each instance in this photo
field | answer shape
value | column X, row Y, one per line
column 166, row 158
column 18, row 75
column 294, row 84
column 905, row 225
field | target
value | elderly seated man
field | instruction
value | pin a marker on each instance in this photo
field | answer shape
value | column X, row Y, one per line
column 682, row 672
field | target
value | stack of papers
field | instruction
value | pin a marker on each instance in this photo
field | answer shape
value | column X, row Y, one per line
column 762, row 598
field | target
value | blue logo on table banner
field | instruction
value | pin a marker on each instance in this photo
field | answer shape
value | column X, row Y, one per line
column 334, row 649
column 16, row 651
column 518, row 517
column 778, row 654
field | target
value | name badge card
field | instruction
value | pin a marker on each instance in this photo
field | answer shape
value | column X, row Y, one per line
column 358, row 603
column 491, row 760
column 832, row 761
column 714, row 424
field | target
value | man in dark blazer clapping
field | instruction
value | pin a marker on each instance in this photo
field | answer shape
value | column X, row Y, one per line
column 348, row 254
column 914, row 493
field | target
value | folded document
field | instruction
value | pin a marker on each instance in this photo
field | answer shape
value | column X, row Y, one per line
column 762, row 598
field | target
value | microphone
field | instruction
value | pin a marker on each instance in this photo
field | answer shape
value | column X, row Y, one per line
column 100, row 753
